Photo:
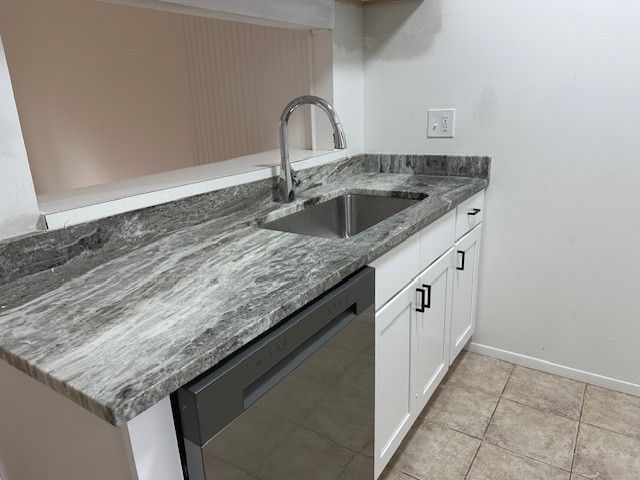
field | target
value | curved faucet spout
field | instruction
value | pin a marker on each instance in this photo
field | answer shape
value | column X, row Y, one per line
column 288, row 178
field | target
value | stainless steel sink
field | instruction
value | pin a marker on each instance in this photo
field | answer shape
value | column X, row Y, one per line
column 341, row 217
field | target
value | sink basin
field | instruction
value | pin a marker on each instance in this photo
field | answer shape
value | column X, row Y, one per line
column 341, row 217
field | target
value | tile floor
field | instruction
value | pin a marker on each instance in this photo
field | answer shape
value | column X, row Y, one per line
column 491, row 420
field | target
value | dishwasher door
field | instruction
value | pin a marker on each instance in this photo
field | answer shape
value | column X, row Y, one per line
column 298, row 403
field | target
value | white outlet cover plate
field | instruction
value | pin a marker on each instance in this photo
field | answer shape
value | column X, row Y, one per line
column 441, row 122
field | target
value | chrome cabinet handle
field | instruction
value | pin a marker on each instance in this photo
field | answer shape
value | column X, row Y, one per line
column 461, row 267
column 422, row 293
column 474, row 211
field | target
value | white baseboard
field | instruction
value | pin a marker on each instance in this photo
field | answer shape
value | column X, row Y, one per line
column 549, row 367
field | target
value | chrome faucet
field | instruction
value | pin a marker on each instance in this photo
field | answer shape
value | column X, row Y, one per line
column 288, row 178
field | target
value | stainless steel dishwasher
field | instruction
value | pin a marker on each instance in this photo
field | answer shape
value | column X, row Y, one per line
column 297, row 403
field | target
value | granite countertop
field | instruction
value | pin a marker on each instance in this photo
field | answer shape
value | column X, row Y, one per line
column 117, row 314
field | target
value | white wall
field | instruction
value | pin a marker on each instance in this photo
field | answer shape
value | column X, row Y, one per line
column 18, row 208
column 551, row 90
column 348, row 81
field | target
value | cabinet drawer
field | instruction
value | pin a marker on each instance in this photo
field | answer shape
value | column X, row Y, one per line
column 437, row 238
column 396, row 268
column 469, row 214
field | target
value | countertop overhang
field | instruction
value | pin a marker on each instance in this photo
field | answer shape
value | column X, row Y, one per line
column 139, row 304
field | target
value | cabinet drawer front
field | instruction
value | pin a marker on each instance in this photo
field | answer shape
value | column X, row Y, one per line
column 396, row 268
column 470, row 214
column 436, row 239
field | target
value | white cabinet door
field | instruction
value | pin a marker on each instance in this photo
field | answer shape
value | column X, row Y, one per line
column 465, row 290
column 394, row 413
column 431, row 329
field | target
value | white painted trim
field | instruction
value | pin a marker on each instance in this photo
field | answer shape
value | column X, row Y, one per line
column 278, row 13
column 154, row 445
column 18, row 208
column 76, row 213
column 556, row 369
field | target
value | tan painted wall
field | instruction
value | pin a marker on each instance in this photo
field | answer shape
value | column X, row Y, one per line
column 107, row 92
column 45, row 436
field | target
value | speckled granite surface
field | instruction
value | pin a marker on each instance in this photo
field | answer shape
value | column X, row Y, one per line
column 117, row 314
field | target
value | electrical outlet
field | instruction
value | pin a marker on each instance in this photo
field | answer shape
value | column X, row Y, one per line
column 441, row 122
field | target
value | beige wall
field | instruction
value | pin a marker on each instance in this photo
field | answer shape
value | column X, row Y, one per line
column 107, row 92
column 240, row 77
column 45, row 436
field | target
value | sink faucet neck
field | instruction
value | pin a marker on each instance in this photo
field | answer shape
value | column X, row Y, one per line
column 288, row 178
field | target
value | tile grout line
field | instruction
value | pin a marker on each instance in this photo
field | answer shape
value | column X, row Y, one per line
column 475, row 455
column 504, row 387
column 575, row 441
column 626, row 435
column 452, row 429
column 513, row 367
column 524, row 455
column 538, row 409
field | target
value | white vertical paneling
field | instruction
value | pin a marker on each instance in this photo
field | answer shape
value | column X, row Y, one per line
column 240, row 78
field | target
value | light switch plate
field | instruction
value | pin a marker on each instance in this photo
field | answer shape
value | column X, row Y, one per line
column 441, row 122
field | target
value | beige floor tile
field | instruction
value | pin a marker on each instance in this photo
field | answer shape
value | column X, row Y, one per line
column 612, row 410
column 577, row 477
column 431, row 451
column 605, row 455
column 545, row 391
column 540, row 435
column 482, row 373
column 463, row 409
column 307, row 455
column 495, row 463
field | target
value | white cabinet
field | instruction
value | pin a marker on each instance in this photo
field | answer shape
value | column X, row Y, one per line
column 431, row 329
column 426, row 290
column 465, row 290
column 394, row 413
